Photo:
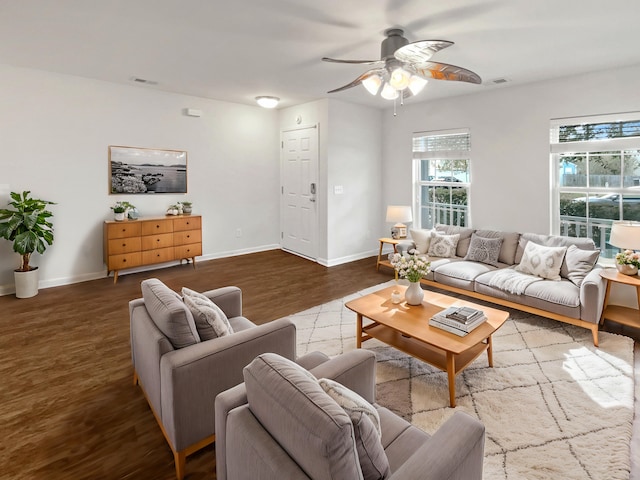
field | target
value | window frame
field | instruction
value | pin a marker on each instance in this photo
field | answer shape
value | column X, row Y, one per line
column 589, row 148
column 446, row 154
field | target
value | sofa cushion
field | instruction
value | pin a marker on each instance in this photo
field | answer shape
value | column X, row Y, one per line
column 169, row 313
column 465, row 236
column 421, row 238
column 211, row 322
column 290, row 404
column 552, row 241
column 509, row 244
column 484, row 250
column 542, row 261
column 578, row 263
column 443, row 246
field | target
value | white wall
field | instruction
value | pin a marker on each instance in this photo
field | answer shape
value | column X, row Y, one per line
column 509, row 126
column 55, row 133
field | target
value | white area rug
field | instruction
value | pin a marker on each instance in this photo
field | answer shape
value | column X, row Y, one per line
column 554, row 406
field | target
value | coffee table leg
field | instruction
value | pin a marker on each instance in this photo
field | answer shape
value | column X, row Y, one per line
column 358, row 330
column 490, row 350
column 451, row 374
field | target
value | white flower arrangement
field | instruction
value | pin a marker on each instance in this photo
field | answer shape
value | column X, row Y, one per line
column 412, row 266
column 628, row 257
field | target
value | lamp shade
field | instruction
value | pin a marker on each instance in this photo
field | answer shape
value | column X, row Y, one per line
column 399, row 214
column 625, row 235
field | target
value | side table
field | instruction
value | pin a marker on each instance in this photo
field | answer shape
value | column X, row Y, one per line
column 390, row 241
column 618, row 313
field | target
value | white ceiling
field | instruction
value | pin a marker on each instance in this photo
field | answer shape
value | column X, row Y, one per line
column 239, row 49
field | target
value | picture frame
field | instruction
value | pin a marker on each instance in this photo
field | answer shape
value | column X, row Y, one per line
column 138, row 170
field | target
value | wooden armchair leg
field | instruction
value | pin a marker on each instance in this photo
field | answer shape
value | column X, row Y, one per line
column 180, row 459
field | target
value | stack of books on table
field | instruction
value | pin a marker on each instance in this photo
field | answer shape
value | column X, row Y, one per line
column 458, row 320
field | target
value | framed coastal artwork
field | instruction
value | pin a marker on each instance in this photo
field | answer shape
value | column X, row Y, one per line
column 147, row 170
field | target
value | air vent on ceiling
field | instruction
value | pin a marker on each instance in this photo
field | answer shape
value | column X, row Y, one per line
column 499, row 81
column 143, row 80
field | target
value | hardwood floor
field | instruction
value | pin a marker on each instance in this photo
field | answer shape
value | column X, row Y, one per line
column 68, row 408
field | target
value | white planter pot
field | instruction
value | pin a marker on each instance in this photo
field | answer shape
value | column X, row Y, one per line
column 119, row 216
column 26, row 283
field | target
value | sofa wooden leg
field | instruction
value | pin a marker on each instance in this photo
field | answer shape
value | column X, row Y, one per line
column 135, row 378
column 180, row 459
column 594, row 330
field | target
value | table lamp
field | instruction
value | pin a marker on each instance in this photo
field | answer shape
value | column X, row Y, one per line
column 399, row 214
column 625, row 235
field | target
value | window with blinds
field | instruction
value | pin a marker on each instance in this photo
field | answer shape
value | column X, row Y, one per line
column 442, row 177
column 596, row 175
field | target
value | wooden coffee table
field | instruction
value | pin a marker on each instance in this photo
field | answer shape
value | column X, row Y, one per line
column 407, row 328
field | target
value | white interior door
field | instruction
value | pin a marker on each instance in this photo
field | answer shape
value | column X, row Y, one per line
column 299, row 204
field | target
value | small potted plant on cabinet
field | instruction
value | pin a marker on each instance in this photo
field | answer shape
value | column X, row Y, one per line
column 28, row 227
column 186, row 207
column 120, row 210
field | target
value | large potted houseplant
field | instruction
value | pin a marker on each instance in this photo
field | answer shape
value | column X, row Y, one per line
column 27, row 225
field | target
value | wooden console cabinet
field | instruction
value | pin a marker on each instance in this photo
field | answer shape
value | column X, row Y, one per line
column 135, row 243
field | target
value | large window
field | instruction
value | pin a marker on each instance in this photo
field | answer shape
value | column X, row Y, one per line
column 596, row 165
column 441, row 178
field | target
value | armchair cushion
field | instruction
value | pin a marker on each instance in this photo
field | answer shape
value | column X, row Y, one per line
column 310, row 426
column 211, row 321
column 351, row 402
column 169, row 313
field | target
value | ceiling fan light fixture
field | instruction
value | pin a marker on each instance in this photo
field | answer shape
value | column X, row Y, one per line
column 399, row 78
column 372, row 84
column 267, row 102
column 416, row 84
column 388, row 92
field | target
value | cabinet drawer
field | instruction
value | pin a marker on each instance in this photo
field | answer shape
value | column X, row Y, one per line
column 187, row 223
column 158, row 255
column 125, row 260
column 124, row 245
column 157, row 226
column 122, row 230
column 188, row 251
column 187, row 237
column 162, row 240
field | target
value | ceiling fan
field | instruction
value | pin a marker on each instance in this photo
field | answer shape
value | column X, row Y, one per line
column 404, row 68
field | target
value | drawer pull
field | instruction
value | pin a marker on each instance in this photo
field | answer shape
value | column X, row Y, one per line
column 158, row 255
column 157, row 226
column 157, row 239
column 124, row 229
column 124, row 260
column 124, row 244
column 188, row 236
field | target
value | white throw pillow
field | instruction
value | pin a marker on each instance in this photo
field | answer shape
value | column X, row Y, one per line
column 211, row 321
column 422, row 239
column 542, row 261
column 350, row 401
column 443, row 246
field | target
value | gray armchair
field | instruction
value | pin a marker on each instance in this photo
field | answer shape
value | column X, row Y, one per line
column 280, row 425
column 181, row 384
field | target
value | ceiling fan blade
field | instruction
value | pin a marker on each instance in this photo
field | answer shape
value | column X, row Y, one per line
column 360, row 79
column 365, row 62
column 420, row 51
column 444, row 71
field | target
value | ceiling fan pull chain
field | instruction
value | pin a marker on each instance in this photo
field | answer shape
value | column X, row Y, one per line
column 394, row 108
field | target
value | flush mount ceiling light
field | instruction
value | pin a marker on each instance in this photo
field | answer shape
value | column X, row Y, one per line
column 404, row 68
column 267, row 102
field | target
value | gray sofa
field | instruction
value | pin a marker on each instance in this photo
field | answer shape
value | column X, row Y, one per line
column 575, row 297
column 280, row 424
column 181, row 375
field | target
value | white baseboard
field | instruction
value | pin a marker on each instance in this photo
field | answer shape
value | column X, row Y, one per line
column 9, row 289
column 350, row 258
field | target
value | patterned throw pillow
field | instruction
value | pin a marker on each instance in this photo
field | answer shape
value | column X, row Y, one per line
column 484, row 250
column 542, row 261
column 211, row 321
column 443, row 246
column 366, row 427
